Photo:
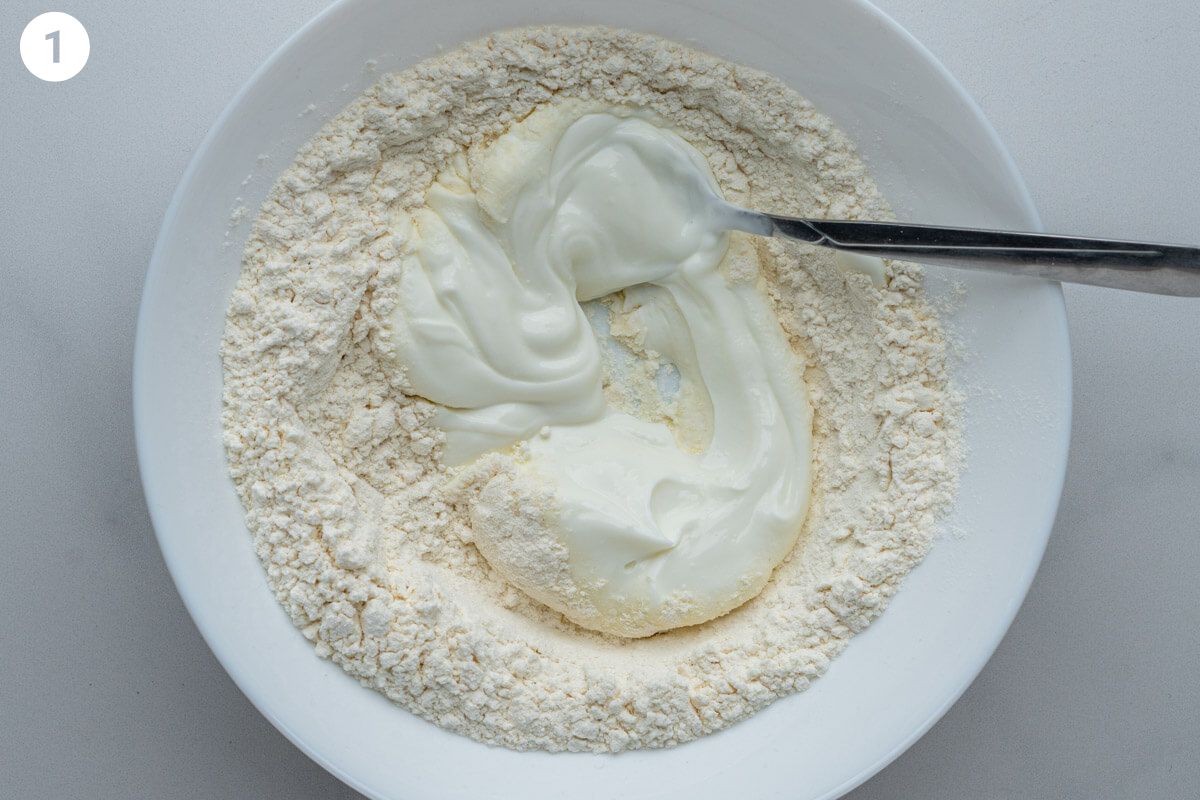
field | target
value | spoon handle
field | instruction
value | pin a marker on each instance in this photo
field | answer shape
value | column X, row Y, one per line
column 1137, row 266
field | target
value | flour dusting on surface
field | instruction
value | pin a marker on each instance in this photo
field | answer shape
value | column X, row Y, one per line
column 365, row 536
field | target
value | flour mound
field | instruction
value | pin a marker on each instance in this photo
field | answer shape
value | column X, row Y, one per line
column 368, row 541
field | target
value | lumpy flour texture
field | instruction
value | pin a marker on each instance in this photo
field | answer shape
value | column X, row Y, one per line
column 366, row 536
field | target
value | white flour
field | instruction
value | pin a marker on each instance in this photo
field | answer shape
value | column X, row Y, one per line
column 368, row 547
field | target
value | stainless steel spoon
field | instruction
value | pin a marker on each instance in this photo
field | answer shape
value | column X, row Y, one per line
column 1137, row 266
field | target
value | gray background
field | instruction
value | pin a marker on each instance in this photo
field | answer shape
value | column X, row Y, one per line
column 107, row 690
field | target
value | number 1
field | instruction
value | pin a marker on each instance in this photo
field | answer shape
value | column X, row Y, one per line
column 54, row 35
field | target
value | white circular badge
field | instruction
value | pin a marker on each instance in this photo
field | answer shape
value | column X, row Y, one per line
column 55, row 46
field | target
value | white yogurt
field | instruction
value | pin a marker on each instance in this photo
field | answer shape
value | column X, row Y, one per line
column 567, row 207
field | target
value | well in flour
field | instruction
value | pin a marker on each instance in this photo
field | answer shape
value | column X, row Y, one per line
column 368, row 545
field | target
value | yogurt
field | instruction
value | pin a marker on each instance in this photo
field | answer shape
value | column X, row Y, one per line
column 570, row 205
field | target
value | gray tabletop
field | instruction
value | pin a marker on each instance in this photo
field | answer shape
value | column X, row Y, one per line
column 108, row 690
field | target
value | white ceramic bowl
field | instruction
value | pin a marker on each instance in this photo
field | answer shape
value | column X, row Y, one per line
column 936, row 159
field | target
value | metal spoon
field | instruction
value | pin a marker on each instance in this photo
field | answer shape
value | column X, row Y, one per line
column 1137, row 266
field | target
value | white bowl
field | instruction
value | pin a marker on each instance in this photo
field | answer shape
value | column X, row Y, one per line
column 936, row 159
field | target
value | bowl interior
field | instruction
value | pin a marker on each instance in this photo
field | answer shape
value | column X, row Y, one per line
column 936, row 159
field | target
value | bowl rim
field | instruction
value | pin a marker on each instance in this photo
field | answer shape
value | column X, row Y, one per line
column 154, row 269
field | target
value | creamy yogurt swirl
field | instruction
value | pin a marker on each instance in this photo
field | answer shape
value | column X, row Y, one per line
column 566, row 207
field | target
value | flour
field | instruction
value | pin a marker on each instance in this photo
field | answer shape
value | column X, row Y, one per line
column 366, row 537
